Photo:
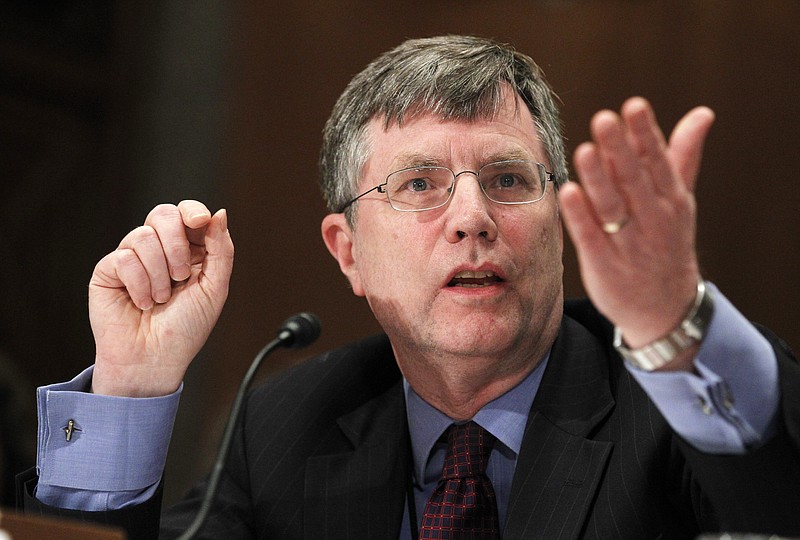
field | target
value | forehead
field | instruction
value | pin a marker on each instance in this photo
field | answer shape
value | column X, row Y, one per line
column 427, row 139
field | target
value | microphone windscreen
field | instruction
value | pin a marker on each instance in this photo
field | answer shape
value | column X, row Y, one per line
column 300, row 330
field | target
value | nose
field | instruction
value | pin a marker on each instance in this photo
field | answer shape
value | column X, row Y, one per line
column 468, row 212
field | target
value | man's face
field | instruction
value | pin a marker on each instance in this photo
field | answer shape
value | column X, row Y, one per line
column 473, row 278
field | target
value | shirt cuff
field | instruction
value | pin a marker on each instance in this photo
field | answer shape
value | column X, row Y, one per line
column 731, row 403
column 114, row 444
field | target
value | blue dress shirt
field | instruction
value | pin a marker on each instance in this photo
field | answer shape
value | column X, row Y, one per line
column 118, row 457
column 504, row 417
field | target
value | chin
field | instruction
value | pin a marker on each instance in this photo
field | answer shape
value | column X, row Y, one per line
column 476, row 339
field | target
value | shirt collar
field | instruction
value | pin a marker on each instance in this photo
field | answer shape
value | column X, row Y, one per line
column 504, row 417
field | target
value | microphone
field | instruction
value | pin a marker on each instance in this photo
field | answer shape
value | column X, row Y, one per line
column 297, row 331
column 300, row 330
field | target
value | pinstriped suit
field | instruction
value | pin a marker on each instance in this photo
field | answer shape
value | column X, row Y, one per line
column 324, row 454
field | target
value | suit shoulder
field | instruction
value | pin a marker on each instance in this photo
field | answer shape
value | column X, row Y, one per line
column 335, row 381
column 582, row 311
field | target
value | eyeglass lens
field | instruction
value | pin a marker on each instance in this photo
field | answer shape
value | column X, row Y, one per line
column 509, row 182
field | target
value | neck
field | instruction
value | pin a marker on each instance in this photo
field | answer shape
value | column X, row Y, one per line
column 461, row 386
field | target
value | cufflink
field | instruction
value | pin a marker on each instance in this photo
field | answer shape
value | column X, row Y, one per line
column 70, row 428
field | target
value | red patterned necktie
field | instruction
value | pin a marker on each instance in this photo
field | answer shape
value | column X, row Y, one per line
column 463, row 505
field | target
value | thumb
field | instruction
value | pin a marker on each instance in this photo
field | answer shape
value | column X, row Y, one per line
column 218, row 263
column 686, row 143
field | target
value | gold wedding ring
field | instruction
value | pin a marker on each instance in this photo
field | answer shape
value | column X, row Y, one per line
column 613, row 227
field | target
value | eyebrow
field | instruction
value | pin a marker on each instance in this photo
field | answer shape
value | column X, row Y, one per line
column 510, row 155
column 409, row 160
column 414, row 159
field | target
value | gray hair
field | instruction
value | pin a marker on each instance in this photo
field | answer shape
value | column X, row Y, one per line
column 456, row 77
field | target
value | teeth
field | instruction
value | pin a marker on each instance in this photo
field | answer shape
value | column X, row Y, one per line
column 473, row 275
column 471, row 278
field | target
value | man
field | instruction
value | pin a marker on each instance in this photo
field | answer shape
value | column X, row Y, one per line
column 443, row 168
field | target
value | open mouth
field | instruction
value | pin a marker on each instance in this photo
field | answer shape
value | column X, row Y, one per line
column 473, row 279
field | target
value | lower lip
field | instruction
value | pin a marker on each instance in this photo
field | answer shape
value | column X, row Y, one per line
column 483, row 290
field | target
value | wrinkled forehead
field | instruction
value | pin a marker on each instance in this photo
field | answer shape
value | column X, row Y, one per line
column 494, row 101
column 505, row 131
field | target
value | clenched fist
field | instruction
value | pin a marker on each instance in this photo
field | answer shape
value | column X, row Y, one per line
column 155, row 299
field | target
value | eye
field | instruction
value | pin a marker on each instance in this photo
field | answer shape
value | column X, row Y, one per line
column 418, row 184
column 507, row 180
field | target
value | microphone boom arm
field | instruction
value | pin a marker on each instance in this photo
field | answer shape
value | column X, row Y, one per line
column 298, row 331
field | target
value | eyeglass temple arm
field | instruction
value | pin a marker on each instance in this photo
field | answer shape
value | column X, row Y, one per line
column 551, row 177
column 381, row 188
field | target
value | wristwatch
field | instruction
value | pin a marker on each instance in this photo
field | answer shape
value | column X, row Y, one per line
column 663, row 351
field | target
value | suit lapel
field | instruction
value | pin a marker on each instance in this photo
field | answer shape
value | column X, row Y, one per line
column 559, row 469
column 361, row 493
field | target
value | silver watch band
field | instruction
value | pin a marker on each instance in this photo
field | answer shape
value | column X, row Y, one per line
column 662, row 351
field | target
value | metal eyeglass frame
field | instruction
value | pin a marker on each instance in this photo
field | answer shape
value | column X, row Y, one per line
column 381, row 188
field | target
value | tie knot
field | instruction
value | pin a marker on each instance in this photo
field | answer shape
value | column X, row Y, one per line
column 468, row 449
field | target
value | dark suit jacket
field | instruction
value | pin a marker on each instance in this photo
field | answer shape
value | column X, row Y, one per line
column 324, row 453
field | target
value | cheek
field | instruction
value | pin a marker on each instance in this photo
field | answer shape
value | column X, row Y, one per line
column 543, row 256
column 538, row 222
column 385, row 262
column 550, row 240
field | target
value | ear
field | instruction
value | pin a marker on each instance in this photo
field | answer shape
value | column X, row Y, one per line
column 338, row 237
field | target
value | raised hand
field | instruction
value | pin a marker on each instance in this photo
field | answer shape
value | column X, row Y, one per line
column 633, row 217
column 155, row 299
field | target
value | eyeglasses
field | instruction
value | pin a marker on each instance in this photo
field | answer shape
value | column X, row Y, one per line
column 416, row 189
